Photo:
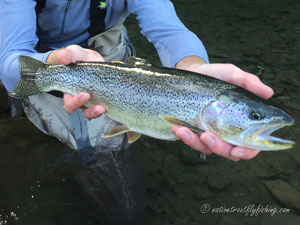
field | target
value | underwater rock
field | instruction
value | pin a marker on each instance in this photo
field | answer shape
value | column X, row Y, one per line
column 47, row 223
column 268, row 76
column 297, row 158
column 284, row 193
column 177, row 171
column 202, row 192
column 297, row 67
column 261, row 168
column 288, row 101
column 4, row 101
column 269, row 58
column 282, row 99
column 246, row 16
column 226, row 220
column 278, row 91
column 280, row 169
column 218, row 181
column 190, row 156
column 280, row 219
column 294, row 180
column 290, row 77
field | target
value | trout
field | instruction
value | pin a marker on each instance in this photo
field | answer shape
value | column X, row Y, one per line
column 147, row 99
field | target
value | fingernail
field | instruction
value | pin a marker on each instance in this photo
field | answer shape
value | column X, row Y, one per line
column 209, row 141
column 239, row 153
column 270, row 89
column 83, row 99
column 184, row 136
column 98, row 112
column 175, row 128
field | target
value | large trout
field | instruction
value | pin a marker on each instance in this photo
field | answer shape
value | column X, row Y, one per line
column 148, row 100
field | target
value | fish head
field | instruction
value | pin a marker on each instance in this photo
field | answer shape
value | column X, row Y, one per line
column 245, row 121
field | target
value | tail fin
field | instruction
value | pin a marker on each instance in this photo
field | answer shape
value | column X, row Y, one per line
column 29, row 70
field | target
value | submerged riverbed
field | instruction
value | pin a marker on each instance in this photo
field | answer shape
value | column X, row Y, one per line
column 38, row 184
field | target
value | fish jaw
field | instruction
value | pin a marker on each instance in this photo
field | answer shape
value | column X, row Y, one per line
column 273, row 143
column 230, row 117
column 259, row 137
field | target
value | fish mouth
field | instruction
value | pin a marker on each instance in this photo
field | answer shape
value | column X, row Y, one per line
column 270, row 142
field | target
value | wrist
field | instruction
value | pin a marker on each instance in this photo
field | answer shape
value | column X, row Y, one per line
column 52, row 57
column 189, row 62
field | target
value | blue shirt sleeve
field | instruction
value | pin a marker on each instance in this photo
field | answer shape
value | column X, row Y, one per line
column 17, row 37
column 157, row 19
column 162, row 27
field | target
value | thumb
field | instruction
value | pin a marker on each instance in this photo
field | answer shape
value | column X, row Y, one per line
column 60, row 56
column 73, row 53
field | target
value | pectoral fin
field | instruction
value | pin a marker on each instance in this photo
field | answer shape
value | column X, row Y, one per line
column 117, row 130
column 175, row 121
column 133, row 136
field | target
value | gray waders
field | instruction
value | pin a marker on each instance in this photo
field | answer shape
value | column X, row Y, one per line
column 110, row 176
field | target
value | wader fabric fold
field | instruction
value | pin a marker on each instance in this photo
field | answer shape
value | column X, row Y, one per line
column 113, row 44
column 47, row 113
column 113, row 183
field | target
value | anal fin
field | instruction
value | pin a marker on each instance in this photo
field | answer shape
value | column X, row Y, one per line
column 133, row 136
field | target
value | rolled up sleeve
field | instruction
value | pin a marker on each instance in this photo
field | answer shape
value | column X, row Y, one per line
column 17, row 37
column 160, row 24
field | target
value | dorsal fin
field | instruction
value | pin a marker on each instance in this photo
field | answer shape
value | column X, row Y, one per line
column 135, row 61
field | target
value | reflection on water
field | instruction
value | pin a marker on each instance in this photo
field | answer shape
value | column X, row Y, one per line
column 38, row 184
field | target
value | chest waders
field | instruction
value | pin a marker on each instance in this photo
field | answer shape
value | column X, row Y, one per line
column 110, row 176
column 75, row 130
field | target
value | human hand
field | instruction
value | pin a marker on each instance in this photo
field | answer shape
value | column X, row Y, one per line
column 209, row 143
column 68, row 55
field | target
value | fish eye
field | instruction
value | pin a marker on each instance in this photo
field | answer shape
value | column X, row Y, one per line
column 256, row 115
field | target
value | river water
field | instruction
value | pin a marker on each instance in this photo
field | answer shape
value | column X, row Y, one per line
column 38, row 184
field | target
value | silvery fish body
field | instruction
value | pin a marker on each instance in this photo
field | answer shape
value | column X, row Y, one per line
column 149, row 99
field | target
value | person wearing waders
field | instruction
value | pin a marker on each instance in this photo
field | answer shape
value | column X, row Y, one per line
column 65, row 31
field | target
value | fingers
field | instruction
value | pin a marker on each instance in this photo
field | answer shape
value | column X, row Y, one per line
column 191, row 139
column 71, row 103
column 217, row 146
column 94, row 112
column 251, row 83
column 226, row 150
column 68, row 55
column 52, row 58
column 209, row 143
column 73, row 53
column 244, row 153
column 232, row 74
